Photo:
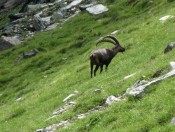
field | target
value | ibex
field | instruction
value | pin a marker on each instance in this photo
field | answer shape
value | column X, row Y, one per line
column 104, row 56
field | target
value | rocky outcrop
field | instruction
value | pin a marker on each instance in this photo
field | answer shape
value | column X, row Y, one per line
column 44, row 15
column 139, row 87
column 8, row 42
column 9, row 4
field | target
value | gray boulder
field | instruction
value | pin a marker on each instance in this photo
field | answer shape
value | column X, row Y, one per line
column 97, row 9
column 31, row 53
column 40, row 23
column 58, row 15
column 169, row 47
column 8, row 42
column 112, row 99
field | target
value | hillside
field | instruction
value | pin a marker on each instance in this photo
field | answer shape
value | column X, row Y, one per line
column 34, row 88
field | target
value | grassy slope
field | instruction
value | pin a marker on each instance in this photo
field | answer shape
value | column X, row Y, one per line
column 63, row 66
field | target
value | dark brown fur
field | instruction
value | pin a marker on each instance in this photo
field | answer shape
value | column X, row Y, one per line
column 104, row 56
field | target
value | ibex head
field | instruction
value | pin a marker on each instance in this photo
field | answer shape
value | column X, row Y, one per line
column 114, row 41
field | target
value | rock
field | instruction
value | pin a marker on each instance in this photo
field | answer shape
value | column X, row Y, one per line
column 115, row 32
column 38, row 23
column 51, row 27
column 12, row 40
column 129, row 76
column 4, row 45
column 140, row 86
column 112, row 99
column 32, row 8
column 19, row 37
column 46, row 20
column 8, row 42
column 16, row 16
column 40, row 130
column 59, row 111
column 70, row 96
column 169, row 47
column 173, row 121
column 137, row 88
column 53, row 127
column 57, row 15
column 31, row 53
column 83, row 7
column 166, row 17
column 12, row 3
column 60, row 3
column 72, row 103
column 62, row 110
column 8, row 30
column 172, row 66
column 19, row 99
column 97, row 9
column 73, row 4
column 135, row 91
column 81, row 116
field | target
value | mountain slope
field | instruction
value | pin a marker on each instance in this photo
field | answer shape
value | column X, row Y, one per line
column 62, row 66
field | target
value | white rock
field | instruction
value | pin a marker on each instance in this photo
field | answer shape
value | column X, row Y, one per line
column 115, row 32
column 97, row 9
column 166, row 17
column 81, row 116
column 139, row 87
column 39, row 130
column 19, row 99
column 75, row 92
column 172, row 65
column 73, row 3
column 173, row 121
column 70, row 96
column 46, row 20
column 59, row 111
column 72, row 103
column 129, row 76
column 135, row 91
column 112, row 99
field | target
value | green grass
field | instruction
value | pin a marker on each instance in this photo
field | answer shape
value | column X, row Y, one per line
column 62, row 66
